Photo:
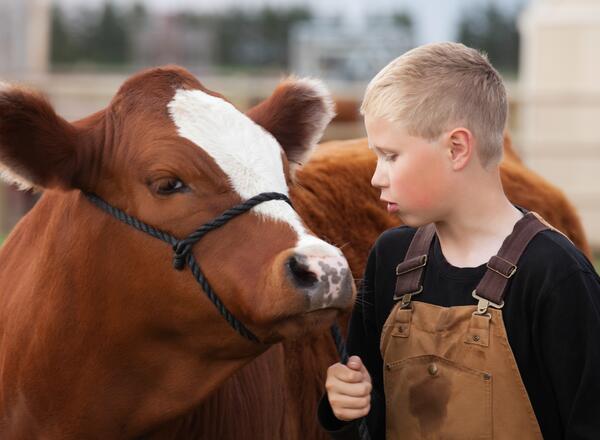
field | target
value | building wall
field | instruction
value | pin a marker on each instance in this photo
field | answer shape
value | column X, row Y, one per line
column 560, row 100
column 353, row 51
column 24, row 36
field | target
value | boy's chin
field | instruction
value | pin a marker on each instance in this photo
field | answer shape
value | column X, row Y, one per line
column 411, row 220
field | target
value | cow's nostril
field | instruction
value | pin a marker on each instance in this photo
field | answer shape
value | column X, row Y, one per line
column 303, row 276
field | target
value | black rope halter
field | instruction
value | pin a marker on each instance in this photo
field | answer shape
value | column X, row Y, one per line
column 183, row 255
column 182, row 248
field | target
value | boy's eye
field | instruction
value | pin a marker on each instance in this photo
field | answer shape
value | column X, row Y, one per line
column 390, row 157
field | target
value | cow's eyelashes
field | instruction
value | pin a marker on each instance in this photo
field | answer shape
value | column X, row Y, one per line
column 168, row 186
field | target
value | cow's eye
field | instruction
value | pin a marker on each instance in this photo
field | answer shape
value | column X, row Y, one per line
column 169, row 185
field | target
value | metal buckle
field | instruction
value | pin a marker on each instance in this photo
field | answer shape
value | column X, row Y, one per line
column 513, row 268
column 412, row 268
column 483, row 304
column 407, row 297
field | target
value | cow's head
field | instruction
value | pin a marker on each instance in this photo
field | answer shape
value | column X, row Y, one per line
column 175, row 155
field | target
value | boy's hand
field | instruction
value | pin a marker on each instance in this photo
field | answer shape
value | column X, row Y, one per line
column 349, row 389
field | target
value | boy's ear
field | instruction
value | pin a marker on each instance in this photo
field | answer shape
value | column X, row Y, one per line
column 296, row 114
column 460, row 147
column 38, row 148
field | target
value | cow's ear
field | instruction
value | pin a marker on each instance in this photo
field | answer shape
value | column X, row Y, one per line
column 296, row 114
column 38, row 149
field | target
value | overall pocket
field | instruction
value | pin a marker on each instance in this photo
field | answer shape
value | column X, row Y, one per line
column 429, row 397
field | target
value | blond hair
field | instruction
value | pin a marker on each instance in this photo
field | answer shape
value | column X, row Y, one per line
column 437, row 87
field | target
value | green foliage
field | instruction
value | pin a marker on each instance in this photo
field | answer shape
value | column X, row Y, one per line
column 62, row 48
column 403, row 20
column 256, row 38
column 490, row 30
column 241, row 37
column 100, row 36
column 108, row 41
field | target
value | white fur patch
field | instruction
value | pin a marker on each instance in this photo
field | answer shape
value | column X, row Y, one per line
column 317, row 89
column 247, row 154
column 12, row 178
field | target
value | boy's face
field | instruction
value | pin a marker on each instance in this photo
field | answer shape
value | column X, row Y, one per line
column 413, row 174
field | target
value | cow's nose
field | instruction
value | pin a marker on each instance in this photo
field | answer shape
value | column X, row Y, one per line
column 301, row 273
column 326, row 280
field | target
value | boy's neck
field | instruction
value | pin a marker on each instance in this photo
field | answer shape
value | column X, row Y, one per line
column 476, row 226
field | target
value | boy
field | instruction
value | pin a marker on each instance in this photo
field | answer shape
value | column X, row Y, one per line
column 484, row 322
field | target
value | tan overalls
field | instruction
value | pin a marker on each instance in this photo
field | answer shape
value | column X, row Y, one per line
column 449, row 372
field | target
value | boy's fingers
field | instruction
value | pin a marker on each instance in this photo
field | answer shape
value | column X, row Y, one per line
column 339, row 402
column 349, row 390
column 353, row 390
column 365, row 373
column 355, row 363
column 343, row 373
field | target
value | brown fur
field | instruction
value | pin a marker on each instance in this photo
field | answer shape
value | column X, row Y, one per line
column 347, row 110
column 43, row 132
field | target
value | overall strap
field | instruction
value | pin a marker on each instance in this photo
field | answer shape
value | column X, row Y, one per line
column 501, row 267
column 410, row 272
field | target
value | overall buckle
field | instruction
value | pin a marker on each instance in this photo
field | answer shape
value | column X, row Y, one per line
column 483, row 304
column 510, row 267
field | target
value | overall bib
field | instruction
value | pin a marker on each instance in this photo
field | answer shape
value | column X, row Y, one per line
column 449, row 372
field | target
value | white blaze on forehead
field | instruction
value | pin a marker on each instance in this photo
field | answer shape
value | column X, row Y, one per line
column 247, row 154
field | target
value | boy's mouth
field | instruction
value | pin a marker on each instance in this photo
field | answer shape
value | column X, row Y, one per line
column 392, row 207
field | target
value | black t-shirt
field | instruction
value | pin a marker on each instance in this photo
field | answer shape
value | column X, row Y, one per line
column 551, row 315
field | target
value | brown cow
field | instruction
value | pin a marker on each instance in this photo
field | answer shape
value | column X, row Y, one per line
column 100, row 337
column 272, row 396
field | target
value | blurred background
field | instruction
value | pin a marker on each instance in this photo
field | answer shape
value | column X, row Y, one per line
column 78, row 52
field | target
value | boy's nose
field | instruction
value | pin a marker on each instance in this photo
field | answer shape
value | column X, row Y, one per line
column 379, row 179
